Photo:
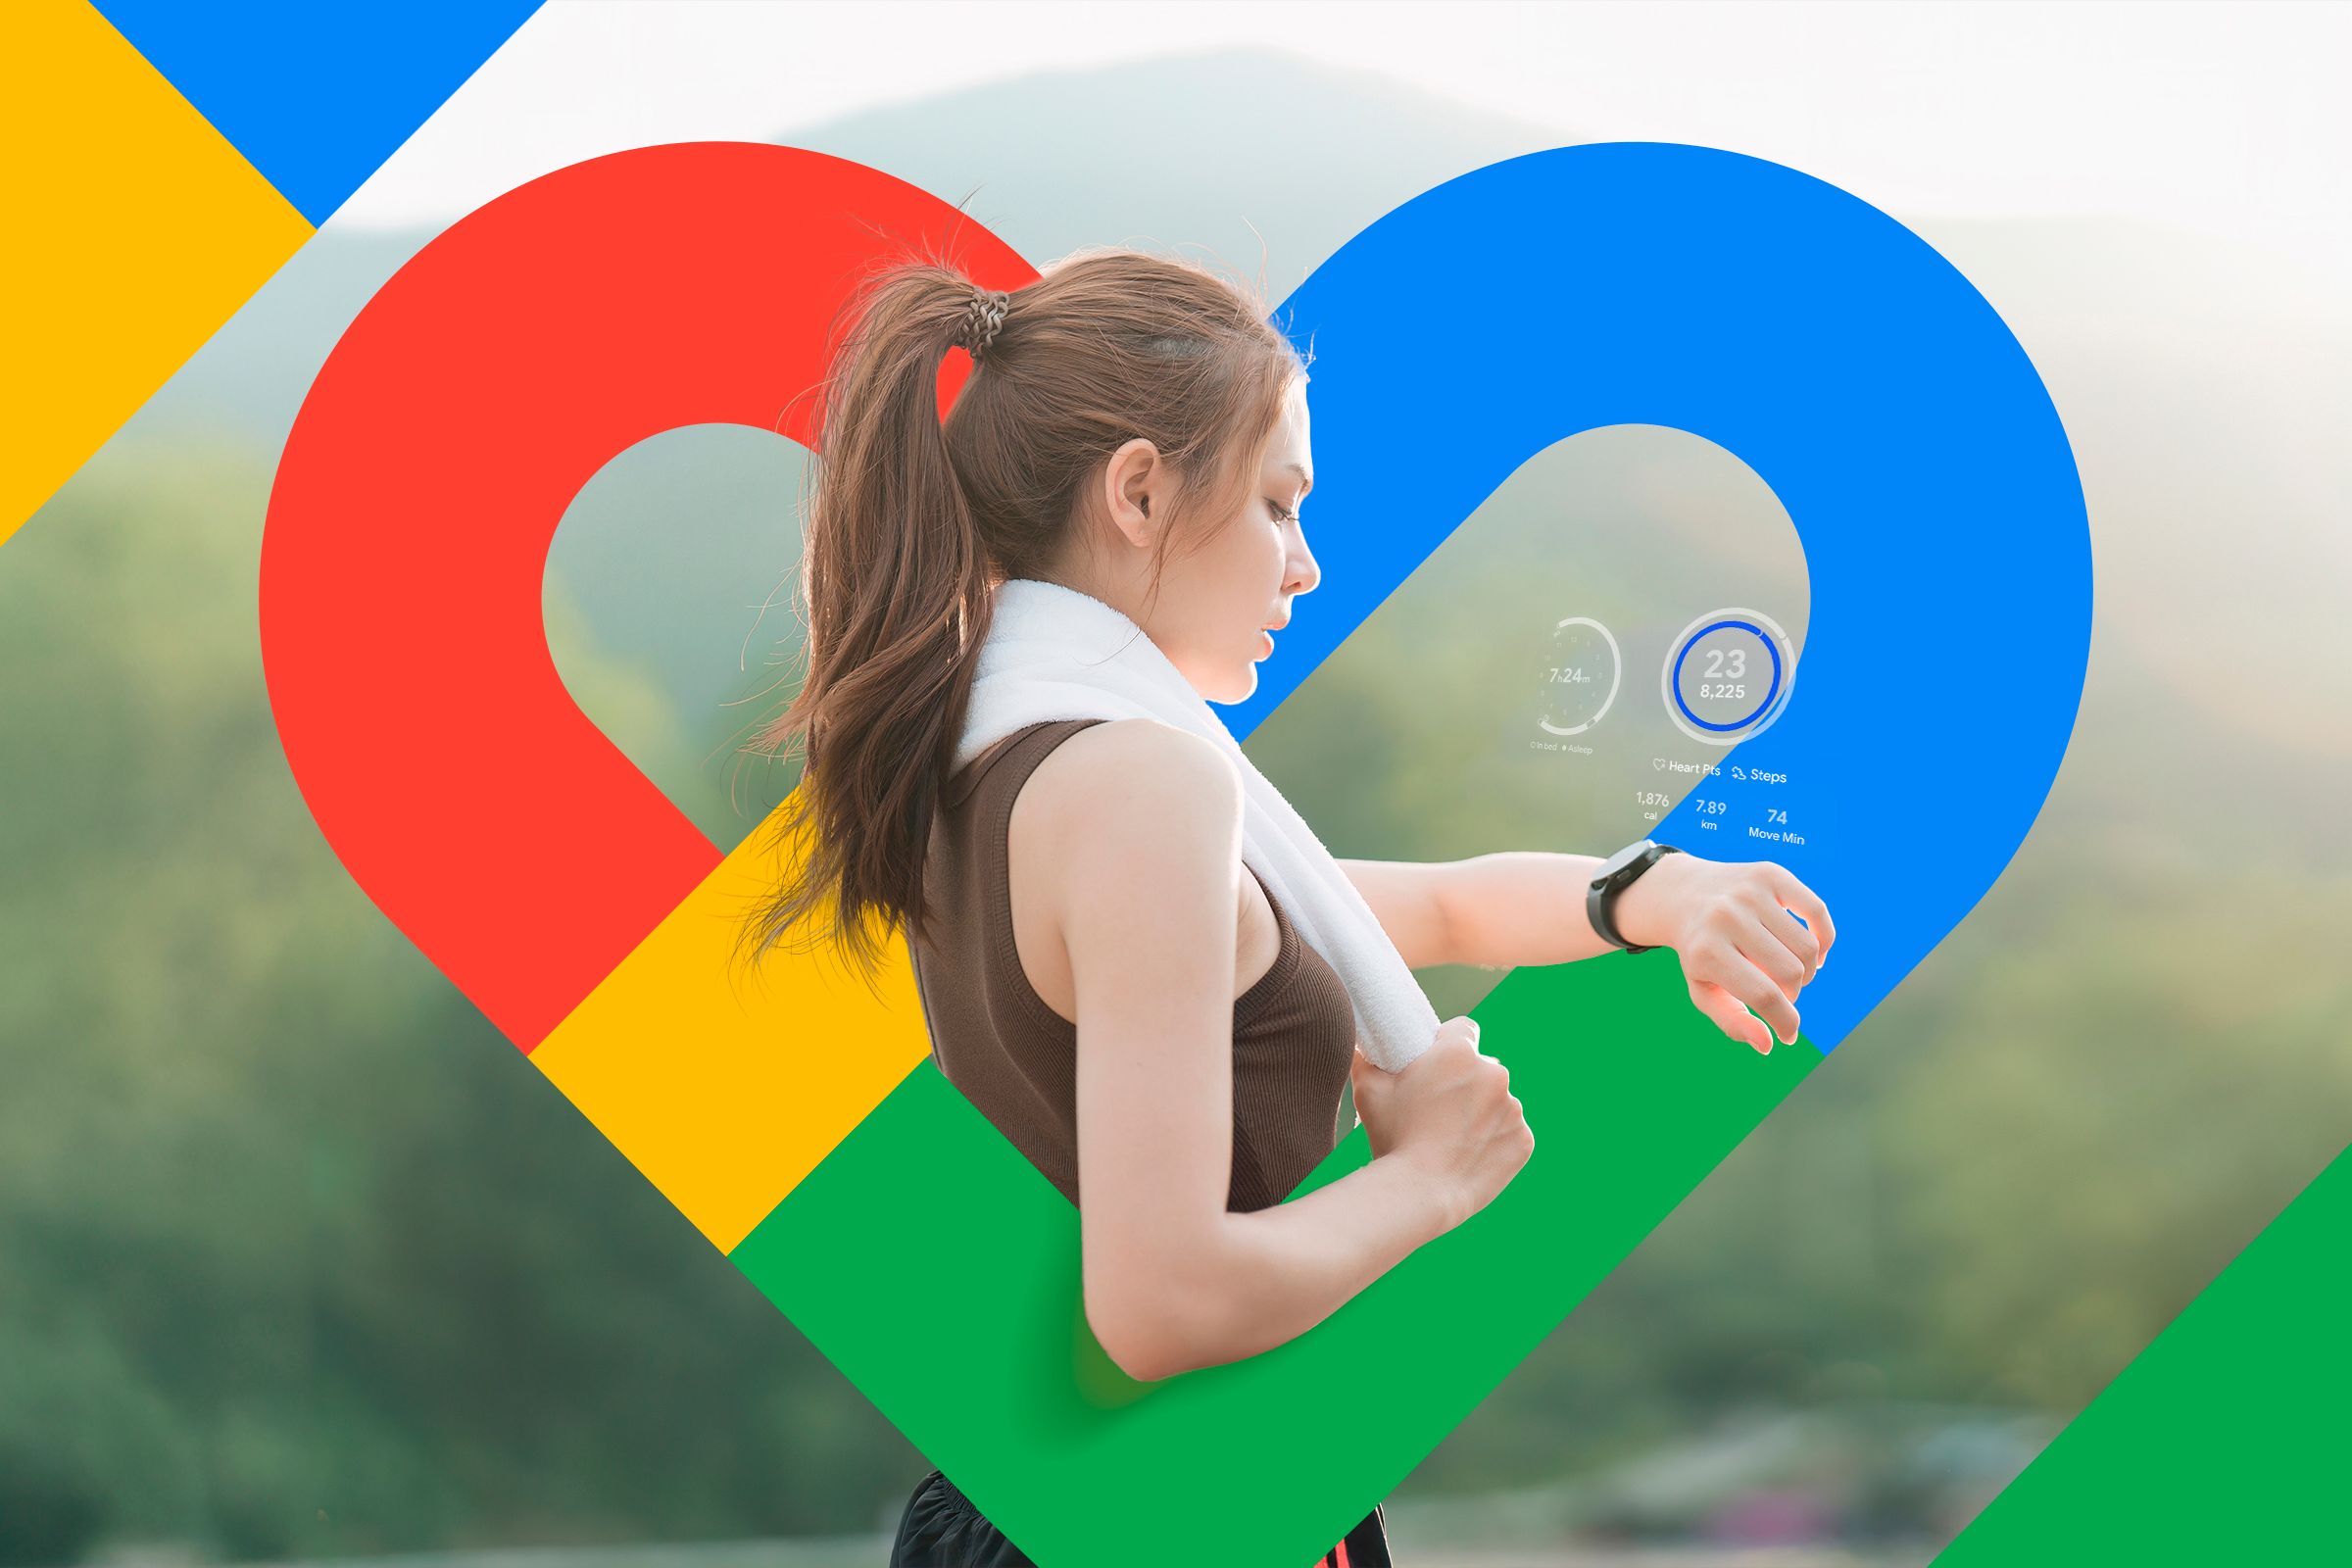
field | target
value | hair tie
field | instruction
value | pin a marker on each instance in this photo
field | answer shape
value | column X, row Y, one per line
column 981, row 318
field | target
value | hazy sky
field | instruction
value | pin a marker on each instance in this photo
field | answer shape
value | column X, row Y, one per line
column 2224, row 118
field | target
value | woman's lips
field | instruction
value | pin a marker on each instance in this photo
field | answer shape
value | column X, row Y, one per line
column 1269, row 637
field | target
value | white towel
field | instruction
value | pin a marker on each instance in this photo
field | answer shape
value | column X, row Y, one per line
column 1055, row 653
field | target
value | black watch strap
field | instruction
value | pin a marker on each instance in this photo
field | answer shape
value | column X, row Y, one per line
column 1617, row 873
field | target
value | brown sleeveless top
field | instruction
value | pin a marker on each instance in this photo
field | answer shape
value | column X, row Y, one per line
column 1016, row 1060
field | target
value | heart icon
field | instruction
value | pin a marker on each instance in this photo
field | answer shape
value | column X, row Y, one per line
column 793, row 1116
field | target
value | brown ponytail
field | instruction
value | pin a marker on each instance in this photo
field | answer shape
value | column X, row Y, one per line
column 914, row 521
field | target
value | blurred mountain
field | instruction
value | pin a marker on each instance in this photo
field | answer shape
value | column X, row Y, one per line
column 1174, row 153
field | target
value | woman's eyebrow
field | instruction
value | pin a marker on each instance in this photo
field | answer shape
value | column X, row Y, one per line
column 1307, row 480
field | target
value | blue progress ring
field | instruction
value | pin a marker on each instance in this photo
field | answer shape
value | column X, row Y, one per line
column 1765, row 707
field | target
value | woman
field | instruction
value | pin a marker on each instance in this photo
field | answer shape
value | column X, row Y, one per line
column 1137, row 1015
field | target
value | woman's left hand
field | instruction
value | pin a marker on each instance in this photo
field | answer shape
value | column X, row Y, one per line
column 1735, row 925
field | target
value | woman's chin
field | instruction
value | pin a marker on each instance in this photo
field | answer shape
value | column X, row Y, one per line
column 1239, row 688
column 1234, row 683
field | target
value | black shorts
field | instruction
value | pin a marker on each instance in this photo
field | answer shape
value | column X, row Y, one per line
column 941, row 1529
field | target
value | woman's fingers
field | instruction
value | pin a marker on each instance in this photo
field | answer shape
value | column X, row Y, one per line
column 1808, row 906
column 1785, row 928
column 1728, row 1017
column 1729, row 969
column 1771, row 955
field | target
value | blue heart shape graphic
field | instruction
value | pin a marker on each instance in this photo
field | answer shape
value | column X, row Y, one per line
column 1930, row 483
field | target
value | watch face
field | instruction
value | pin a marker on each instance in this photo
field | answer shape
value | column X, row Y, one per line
column 1620, row 860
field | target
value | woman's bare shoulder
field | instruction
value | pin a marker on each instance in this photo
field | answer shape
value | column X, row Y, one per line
column 1129, row 742
column 1132, row 785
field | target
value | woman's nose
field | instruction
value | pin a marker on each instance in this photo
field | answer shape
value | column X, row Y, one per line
column 1304, row 573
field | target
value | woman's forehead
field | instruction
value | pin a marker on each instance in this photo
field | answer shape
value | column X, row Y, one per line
column 1288, row 445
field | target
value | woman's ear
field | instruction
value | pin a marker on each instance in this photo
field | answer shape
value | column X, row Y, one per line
column 1130, row 478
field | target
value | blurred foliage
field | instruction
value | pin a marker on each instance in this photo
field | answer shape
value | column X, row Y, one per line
column 297, row 1255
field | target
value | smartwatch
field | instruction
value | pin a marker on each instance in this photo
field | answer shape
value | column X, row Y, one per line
column 1617, row 873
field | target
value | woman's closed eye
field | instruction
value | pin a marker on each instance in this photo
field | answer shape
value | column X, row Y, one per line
column 1282, row 514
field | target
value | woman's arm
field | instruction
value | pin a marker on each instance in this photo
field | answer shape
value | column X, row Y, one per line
column 1494, row 910
column 1407, row 899
column 1522, row 907
column 1136, row 827
column 1750, row 936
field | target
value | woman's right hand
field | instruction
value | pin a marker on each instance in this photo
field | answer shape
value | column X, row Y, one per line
column 1451, row 1113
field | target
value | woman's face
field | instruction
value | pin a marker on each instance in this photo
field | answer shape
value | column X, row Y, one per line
column 1218, row 600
